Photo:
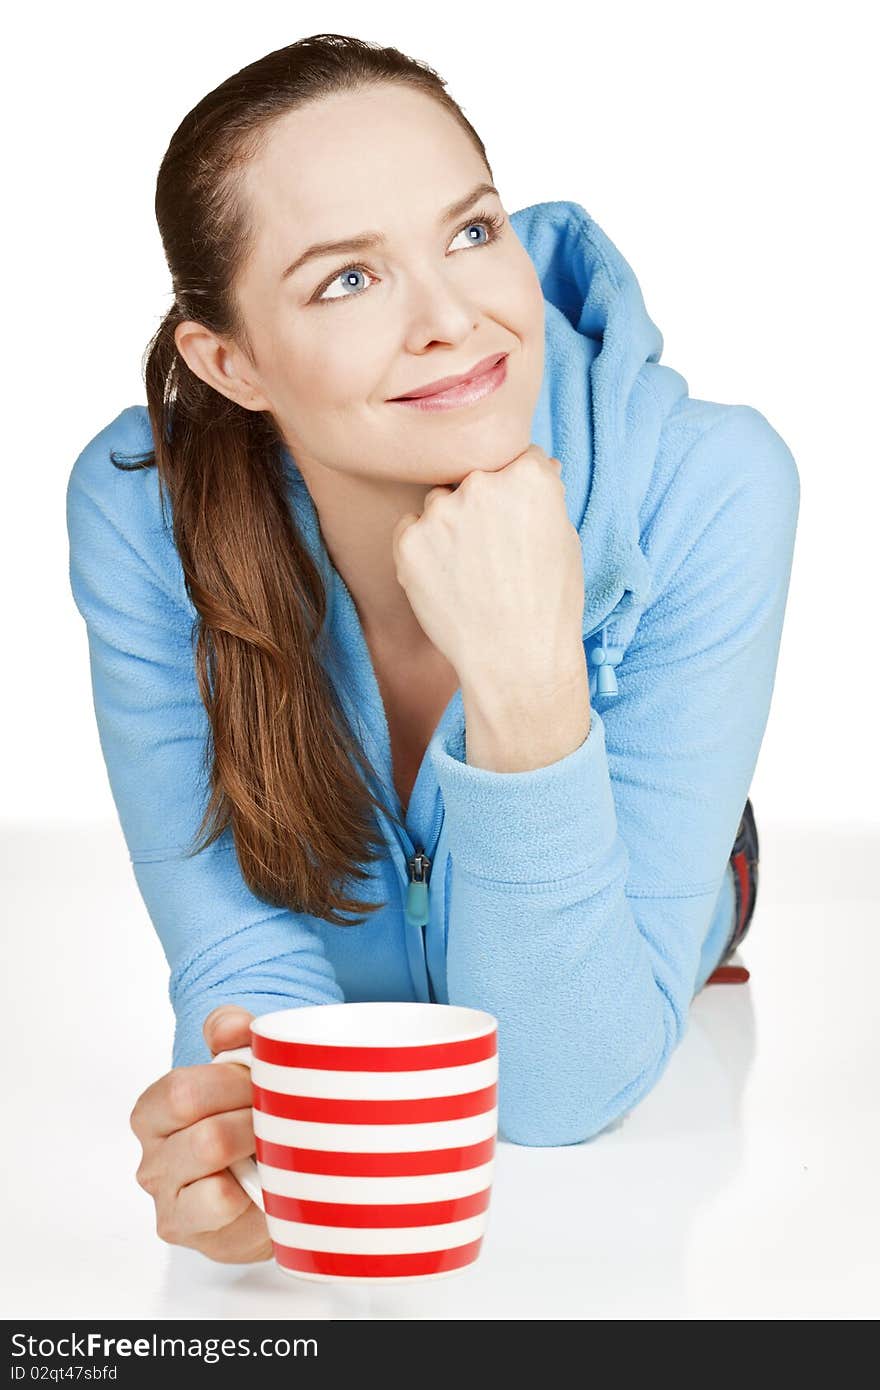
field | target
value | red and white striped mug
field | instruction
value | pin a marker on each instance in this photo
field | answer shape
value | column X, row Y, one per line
column 375, row 1126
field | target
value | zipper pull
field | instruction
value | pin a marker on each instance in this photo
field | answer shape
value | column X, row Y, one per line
column 417, row 905
column 605, row 658
column 417, row 893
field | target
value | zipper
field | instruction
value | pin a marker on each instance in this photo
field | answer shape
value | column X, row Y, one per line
column 603, row 658
column 418, row 904
column 413, row 866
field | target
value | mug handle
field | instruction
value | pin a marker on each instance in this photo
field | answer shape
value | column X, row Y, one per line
column 244, row 1169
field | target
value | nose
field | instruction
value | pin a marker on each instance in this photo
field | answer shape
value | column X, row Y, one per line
column 438, row 312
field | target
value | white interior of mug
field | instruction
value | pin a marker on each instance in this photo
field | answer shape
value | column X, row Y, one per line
column 375, row 1023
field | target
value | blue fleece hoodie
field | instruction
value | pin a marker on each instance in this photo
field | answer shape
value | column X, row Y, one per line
column 583, row 903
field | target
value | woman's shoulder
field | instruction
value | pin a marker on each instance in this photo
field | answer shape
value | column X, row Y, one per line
column 724, row 495
column 114, row 507
column 712, row 455
column 734, row 439
column 126, row 440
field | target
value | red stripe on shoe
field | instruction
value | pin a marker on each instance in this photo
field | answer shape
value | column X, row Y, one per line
column 728, row 975
column 741, row 869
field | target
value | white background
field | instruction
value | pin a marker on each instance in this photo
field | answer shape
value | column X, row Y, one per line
column 729, row 151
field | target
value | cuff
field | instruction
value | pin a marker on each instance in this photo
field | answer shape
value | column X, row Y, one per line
column 536, row 826
column 190, row 1048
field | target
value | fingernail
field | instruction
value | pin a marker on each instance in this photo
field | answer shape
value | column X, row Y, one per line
column 216, row 1013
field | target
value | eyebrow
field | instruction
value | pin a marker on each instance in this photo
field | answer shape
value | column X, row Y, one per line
column 365, row 240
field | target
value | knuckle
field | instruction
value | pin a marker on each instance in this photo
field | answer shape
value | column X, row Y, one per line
column 136, row 1116
column 405, row 542
column 226, row 1199
column 210, row 1146
column 181, row 1098
column 147, row 1179
column 166, row 1227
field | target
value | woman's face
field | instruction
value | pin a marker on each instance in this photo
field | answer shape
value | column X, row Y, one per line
column 337, row 337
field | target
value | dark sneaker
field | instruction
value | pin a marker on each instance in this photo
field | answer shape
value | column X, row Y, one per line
column 744, row 862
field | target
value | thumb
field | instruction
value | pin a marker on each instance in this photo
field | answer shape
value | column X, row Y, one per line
column 227, row 1026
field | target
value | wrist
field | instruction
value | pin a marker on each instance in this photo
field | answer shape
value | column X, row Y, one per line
column 516, row 725
column 525, row 683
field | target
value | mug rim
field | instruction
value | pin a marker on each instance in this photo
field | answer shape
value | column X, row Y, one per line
column 475, row 1023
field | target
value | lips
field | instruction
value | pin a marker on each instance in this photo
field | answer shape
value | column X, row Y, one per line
column 444, row 383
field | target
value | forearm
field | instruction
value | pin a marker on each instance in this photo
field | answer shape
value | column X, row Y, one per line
column 528, row 722
column 541, row 936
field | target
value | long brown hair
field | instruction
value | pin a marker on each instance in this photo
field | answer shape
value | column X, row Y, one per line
column 285, row 769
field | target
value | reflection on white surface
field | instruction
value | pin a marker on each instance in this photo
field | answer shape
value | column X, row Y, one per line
column 743, row 1186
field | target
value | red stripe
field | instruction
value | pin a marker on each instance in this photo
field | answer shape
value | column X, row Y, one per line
column 376, row 1266
column 333, row 1058
column 330, row 1111
column 741, row 868
column 728, row 975
column 376, row 1215
column 374, row 1165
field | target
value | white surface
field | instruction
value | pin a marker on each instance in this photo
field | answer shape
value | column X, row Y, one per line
column 743, row 1186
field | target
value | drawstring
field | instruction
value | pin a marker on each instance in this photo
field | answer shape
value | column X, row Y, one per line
column 605, row 658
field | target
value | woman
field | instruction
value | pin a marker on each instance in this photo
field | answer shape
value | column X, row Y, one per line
column 499, row 660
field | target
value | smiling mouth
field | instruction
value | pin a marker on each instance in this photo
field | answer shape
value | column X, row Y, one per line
column 445, row 384
column 466, row 394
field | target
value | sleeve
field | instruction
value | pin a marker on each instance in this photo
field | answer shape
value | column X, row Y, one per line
column 582, row 892
column 222, row 943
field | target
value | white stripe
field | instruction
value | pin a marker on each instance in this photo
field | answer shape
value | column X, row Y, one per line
column 407, row 1138
column 376, row 1085
column 387, row 1240
column 421, row 1187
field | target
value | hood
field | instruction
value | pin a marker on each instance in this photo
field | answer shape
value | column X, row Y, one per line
column 604, row 397
column 603, row 402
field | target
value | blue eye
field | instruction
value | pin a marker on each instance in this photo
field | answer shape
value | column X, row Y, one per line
column 467, row 229
column 349, row 276
column 490, row 220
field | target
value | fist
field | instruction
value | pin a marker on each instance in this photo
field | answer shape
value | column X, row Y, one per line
column 493, row 571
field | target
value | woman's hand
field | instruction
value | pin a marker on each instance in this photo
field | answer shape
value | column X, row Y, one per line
column 192, row 1123
column 494, row 574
